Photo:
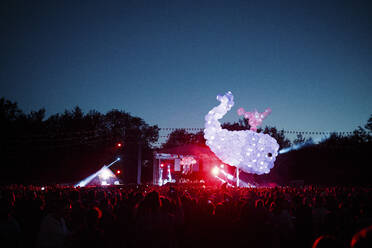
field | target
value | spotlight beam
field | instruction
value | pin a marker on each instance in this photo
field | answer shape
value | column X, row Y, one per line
column 232, row 178
column 87, row 180
column 304, row 144
column 223, row 181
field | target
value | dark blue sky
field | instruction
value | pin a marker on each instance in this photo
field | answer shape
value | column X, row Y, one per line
column 165, row 61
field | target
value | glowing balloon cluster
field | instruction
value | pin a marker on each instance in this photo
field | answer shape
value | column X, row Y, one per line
column 187, row 163
column 254, row 118
column 189, row 160
column 248, row 150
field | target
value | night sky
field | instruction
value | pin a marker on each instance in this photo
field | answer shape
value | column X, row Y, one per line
column 165, row 61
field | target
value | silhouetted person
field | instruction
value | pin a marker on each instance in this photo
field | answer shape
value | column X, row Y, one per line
column 326, row 241
column 362, row 239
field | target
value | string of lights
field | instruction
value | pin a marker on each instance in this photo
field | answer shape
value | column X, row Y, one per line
column 169, row 130
column 95, row 133
column 280, row 130
column 64, row 139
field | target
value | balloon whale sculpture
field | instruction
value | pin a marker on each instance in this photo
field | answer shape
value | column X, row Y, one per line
column 247, row 150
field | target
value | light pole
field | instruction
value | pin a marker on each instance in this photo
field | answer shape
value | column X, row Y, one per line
column 139, row 163
column 237, row 177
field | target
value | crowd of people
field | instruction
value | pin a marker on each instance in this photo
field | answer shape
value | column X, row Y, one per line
column 185, row 216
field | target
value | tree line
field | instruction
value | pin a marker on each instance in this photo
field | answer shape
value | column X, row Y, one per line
column 71, row 145
column 361, row 135
column 337, row 159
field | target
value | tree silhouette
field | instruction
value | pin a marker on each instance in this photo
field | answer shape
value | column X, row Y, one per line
column 71, row 144
column 278, row 135
column 181, row 137
column 299, row 139
column 177, row 138
column 242, row 124
column 368, row 126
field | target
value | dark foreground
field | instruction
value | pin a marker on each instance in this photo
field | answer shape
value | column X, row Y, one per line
column 181, row 216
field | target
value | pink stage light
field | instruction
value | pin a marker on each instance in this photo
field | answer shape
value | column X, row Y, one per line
column 215, row 171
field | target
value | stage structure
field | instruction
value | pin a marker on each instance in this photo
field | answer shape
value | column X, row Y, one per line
column 182, row 160
column 167, row 164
